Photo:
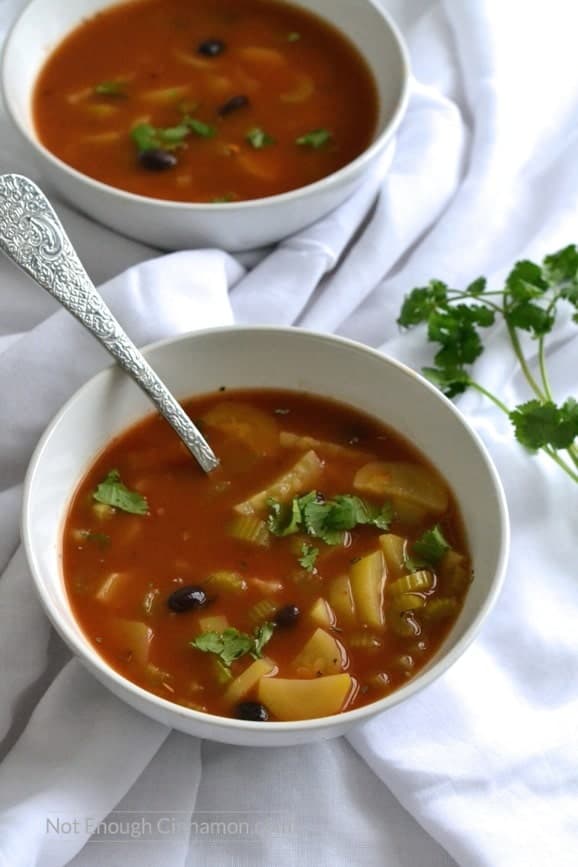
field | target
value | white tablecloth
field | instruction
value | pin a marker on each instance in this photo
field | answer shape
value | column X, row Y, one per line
column 480, row 769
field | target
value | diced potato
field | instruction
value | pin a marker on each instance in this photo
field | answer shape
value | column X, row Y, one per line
column 219, row 85
column 365, row 640
column 407, row 512
column 321, row 613
column 322, row 654
column 101, row 111
column 133, row 637
column 155, row 675
column 261, row 57
column 412, row 482
column 265, row 165
column 303, row 89
column 113, row 587
column 291, row 440
column 393, row 548
column 213, row 623
column 102, row 138
column 341, row 600
column 290, row 699
column 102, row 511
column 255, row 428
column 79, row 95
column 302, row 476
column 245, row 682
column 367, row 578
column 165, row 95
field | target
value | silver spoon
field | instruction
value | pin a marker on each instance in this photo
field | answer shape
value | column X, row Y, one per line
column 33, row 237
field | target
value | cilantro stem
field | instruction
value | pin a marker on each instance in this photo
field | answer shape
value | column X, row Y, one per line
column 481, row 298
column 562, row 464
column 513, row 334
column 490, row 396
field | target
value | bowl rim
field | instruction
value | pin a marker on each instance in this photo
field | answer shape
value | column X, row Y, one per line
column 338, row 177
column 82, row 650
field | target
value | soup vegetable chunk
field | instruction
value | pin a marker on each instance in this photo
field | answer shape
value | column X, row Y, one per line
column 211, row 101
column 315, row 571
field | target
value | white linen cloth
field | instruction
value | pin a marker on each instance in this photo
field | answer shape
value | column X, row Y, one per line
column 485, row 759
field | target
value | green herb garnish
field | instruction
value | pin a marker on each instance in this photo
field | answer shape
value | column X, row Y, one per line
column 326, row 519
column 314, row 139
column 110, row 88
column 100, row 539
column 293, row 36
column 528, row 302
column 231, row 644
column 112, row 492
column 431, row 547
column 204, row 130
column 258, row 138
column 308, row 557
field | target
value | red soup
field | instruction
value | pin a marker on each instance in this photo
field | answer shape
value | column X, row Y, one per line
column 315, row 571
column 211, row 101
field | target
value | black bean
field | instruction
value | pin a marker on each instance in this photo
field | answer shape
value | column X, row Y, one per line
column 287, row 616
column 211, row 47
column 252, row 710
column 157, row 159
column 187, row 598
column 233, row 104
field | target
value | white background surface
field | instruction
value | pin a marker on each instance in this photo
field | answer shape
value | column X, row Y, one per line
column 485, row 760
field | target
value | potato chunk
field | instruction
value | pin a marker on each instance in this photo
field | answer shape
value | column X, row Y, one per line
column 302, row 476
column 367, row 582
column 290, row 699
column 341, row 600
column 248, row 424
column 412, row 482
column 321, row 613
column 322, row 654
column 245, row 682
column 134, row 638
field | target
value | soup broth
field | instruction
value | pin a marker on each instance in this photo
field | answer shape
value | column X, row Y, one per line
column 316, row 570
column 211, row 101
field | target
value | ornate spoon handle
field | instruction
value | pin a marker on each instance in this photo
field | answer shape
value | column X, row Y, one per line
column 33, row 237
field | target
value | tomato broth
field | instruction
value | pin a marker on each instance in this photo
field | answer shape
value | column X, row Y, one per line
column 211, row 101
column 316, row 570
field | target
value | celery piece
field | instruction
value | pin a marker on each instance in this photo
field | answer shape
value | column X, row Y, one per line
column 415, row 582
column 440, row 609
column 262, row 611
column 251, row 529
column 227, row 580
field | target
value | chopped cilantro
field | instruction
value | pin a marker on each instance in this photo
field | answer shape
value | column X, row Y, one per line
column 112, row 492
column 308, row 558
column 314, row 139
column 110, row 88
column 258, row 138
column 326, row 519
column 430, row 547
column 231, row 644
column 100, row 539
column 204, row 130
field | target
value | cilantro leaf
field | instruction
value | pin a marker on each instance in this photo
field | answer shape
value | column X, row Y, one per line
column 308, row 558
column 231, row 644
column 530, row 317
column 561, row 266
column 431, row 546
column 263, row 634
column 451, row 380
column 525, row 281
column 258, row 138
column 284, row 520
column 110, row 88
column 204, row 130
column 477, row 287
column 112, row 492
column 315, row 139
column 544, row 424
column 144, row 135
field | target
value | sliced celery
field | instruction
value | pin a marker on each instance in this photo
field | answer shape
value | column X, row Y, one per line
column 415, row 582
column 364, row 640
column 227, row 580
column 251, row 529
column 213, row 623
column 262, row 611
column 440, row 609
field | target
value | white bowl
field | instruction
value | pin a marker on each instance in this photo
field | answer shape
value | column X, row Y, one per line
column 260, row 357
column 177, row 225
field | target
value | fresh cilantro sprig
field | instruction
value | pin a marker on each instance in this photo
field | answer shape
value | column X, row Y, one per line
column 429, row 549
column 308, row 557
column 528, row 302
column 325, row 519
column 231, row 644
column 112, row 492
column 146, row 136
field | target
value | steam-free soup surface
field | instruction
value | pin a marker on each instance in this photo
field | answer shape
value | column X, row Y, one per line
column 211, row 101
column 317, row 570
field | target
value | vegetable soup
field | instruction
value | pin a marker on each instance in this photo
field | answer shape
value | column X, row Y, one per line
column 316, row 570
column 211, row 101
